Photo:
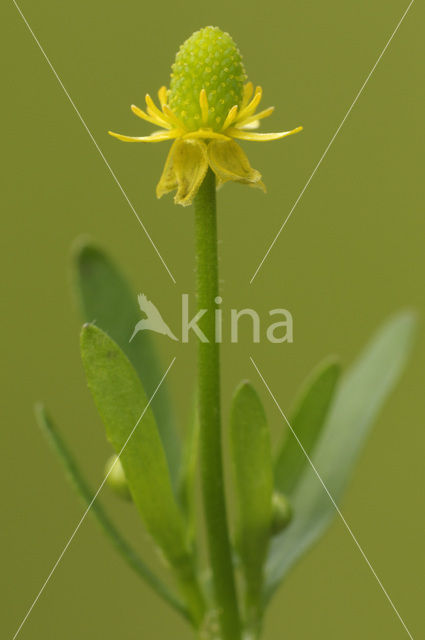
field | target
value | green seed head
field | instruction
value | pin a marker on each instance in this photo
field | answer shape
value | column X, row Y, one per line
column 208, row 60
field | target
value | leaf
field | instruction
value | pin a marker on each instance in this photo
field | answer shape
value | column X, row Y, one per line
column 307, row 422
column 131, row 428
column 106, row 300
column 358, row 400
column 253, row 476
column 96, row 509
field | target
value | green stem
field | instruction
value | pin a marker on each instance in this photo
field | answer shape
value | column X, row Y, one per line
column 80, row 484
column 209, row 414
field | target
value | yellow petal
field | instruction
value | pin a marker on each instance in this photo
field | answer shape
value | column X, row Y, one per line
column 184, row 170
column 171, row 116
column 229, row 162
column 203, row 103
column 162, row 96
column 251, row 107
column 141, row 114
column 244, row 122
column 168, row 180
column 190, row 161
column 231, row 116
column 251, row 125
column 259, row 137
column 157, row 136
column 204, row 134
column 153, row 111
column 247, row 93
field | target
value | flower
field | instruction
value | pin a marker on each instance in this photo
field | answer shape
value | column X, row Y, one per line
column 207, row 107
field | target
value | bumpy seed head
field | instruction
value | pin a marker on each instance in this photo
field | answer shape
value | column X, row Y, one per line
column 208, row 60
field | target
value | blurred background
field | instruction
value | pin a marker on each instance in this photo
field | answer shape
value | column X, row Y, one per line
column 352, row 253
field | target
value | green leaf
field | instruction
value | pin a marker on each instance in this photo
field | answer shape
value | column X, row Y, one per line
column 131, row 428
column 107, row 300
column 307, row 422
column 253, row 476
column 358, row 400
column 96, row 509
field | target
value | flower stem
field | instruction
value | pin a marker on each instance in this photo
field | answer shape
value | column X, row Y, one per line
column 209, row 413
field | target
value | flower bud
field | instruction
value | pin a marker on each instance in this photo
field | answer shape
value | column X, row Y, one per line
column 281, row 513
column 116, row 478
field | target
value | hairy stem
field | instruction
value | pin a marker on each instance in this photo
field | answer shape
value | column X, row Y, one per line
column 209, row 414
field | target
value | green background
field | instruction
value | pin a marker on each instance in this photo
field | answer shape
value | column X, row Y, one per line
column 352, row 253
